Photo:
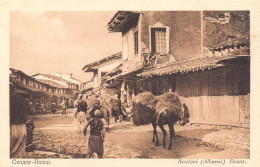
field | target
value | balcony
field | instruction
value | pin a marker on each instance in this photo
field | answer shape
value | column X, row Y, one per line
column 152, row 59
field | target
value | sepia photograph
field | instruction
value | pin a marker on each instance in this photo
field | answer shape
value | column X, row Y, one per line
column 130, row 84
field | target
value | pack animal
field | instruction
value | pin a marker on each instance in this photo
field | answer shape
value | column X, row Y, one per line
column 166, row 116
column 95, row 105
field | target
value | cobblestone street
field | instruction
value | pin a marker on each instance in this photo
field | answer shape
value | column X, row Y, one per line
column 56, row 136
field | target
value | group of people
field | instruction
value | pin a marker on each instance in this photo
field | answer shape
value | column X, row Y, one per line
column 39, row 105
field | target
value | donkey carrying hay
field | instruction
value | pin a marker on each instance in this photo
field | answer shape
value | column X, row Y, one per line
column 169, row 110
column 160, row 110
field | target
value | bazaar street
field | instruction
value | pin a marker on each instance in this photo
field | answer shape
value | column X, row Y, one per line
column 56, row 136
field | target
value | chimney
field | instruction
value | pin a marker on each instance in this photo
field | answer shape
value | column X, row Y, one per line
column 71, row 75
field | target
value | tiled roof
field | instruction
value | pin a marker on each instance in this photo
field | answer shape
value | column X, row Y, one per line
column 54, row 78
column 113, row 72
column 22, row 73
column 98, row 62
column 51, row 83
column 198, row 64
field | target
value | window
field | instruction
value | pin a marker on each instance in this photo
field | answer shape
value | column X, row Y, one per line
column 125, row 46
column 103, row 73
column 21, row 79
column 136, row 42
column 158, row 40
column 27, row 81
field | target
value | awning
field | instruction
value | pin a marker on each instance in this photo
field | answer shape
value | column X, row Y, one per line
column 19, row 91
column 130, row 75
column 192, row 65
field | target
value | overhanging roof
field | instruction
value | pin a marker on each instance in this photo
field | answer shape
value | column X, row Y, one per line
column 95, row 65
column 128, row 75
column 123, row 20
column 52, row 83
column 192, row 65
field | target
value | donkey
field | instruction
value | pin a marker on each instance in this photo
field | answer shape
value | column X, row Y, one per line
column 106, row 115
column 170, row 117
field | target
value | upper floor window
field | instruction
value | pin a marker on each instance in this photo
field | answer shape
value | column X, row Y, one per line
column 27, row 81
column 136, row 42
column 125, row 46
column 103, row 74
column 159, row 38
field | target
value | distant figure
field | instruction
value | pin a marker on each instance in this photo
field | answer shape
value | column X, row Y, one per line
column 18, row 108
column 37, row 105
column 64, row 107
column 80, row 114
column 42, row 105
column 53, row 108
column 116, row 108
column 29, row 124
column 97, row 135
column 119, row 110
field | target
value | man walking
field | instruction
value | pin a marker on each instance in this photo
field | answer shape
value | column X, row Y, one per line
column 97, row 135
column 64, row 107
column 80, row 113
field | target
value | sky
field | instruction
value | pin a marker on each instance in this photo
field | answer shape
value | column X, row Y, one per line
column 63, row 42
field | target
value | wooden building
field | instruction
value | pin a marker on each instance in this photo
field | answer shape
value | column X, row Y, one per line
column 38, row 89
column 100, row 68
column 202, row 55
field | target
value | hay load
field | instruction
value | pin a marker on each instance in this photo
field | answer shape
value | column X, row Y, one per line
column 170, row 101
column 91, row 102
column 144, row 108
column 110, row 102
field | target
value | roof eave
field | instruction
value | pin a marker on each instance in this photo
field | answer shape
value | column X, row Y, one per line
column 90, row 67
column 118, row 19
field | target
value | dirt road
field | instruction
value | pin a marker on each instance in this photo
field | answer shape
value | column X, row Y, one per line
column 56, row 137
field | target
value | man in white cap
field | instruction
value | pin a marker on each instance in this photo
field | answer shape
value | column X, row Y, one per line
column 97, row 135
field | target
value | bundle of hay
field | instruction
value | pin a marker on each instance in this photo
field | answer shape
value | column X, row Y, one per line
column 143, row 108
column 91, row 102
column 170, row 101
column 110, row 102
